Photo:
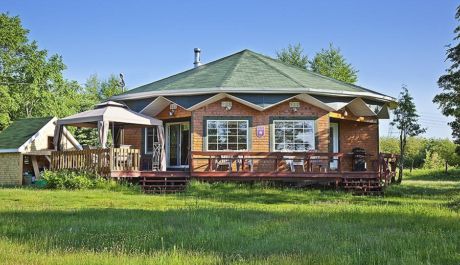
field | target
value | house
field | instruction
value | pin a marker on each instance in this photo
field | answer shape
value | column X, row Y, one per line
column 25, row 147
column 248, row 116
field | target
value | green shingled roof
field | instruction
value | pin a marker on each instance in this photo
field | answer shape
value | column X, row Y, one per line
column 247, row 69
column 20, row 131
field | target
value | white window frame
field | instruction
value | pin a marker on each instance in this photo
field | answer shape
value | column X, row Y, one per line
column 247, row 135
column 300, row 120
column 145, row 140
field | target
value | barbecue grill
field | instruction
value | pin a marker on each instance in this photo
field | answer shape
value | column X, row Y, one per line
column 359, row 159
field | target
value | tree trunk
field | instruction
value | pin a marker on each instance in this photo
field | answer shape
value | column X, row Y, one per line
column 447, row 166
column 402, row 147
column 411, row 165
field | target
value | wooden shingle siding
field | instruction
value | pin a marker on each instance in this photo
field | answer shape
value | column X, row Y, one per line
column 10, row 169
column 259, row 118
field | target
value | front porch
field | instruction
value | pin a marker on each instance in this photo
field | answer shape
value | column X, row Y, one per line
column 331, row 168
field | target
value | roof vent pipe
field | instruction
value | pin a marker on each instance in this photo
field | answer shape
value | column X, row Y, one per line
column 197, row 61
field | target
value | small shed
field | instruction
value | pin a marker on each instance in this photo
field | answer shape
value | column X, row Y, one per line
column 26, row 146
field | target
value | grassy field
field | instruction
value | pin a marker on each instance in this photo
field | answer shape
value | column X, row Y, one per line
column 417, row 222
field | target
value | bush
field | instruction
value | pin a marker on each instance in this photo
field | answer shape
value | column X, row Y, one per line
column 68, row 179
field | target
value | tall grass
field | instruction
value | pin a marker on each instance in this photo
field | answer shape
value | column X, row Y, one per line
column 416, row 222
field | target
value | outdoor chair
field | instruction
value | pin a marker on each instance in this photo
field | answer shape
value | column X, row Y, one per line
column 292, row 162
column 224, row 161
column 241, row 162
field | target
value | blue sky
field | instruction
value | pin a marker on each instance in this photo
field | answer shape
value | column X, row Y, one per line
column 390, row 42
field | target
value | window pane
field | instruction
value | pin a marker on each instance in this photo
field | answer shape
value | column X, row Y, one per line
column 232, row 131
column 242, row 131
column 232, row 139
column 212, row 124
column 232, row 124
column 222, row 139
column 222, row 146
column 242, row 139
column 212, row 146
column 212, row 131
column 242, row 147
column 279, row 124
column 212, row 139
column 222, row 131
column 232, row 147
column 243, row 124
column 298, row 124
column 279, row 147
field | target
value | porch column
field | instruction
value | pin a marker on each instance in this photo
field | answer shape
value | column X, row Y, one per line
column 57, row 137
column 161, row 138
column 103, row 132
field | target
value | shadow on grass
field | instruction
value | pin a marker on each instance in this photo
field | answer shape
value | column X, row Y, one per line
column 262, row 193
column 232, row 232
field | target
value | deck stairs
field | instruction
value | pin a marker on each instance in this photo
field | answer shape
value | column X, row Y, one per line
column 362, row 186
column 164, row 182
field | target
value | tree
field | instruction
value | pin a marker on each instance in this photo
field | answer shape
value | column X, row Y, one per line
column 293, row 55
column 449, row 99
column 31, row 82
column 330, row 62
column 94, row 91
column 406, row 120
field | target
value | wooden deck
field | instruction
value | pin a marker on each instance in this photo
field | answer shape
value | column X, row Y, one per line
column 333, row 168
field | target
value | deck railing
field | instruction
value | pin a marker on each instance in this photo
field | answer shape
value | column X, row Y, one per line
column 274, row 164
column 102, row 161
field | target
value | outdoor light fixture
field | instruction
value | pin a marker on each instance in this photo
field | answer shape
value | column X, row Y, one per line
column 172, row 109
column 294, row 105
column 226, row 105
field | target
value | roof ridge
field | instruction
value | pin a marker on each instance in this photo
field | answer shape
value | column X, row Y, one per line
column 186, row 71
column 278, row 70
column 232, row 70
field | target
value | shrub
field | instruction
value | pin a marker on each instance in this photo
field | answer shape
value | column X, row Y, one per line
column 66, row 179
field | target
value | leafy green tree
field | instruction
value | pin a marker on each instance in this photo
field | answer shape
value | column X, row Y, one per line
column 406, row 120
column 330, row 62
column 31, row 82
column 449, row 99
column 293, row 55
column 94, row 91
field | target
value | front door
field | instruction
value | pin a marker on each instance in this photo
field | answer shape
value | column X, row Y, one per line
column 177, row 144
column 334, row 143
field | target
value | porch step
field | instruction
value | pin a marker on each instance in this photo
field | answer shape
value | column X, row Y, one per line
column 164, row 182
column 362, row 186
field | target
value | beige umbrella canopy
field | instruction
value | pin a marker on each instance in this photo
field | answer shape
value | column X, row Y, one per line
column 108, row 114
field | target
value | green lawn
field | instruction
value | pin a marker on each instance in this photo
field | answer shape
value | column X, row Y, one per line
column 417, row 222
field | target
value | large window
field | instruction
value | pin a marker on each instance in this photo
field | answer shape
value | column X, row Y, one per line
column 227, row 134
column 294, row 135
column 150, row 139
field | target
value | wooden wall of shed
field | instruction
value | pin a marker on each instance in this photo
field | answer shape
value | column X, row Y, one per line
column 10, row 169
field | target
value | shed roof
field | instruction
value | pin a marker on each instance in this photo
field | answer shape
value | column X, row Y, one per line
column 20, row 131
column 246, row 72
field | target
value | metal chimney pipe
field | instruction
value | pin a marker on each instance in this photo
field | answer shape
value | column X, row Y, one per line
column 197, row 61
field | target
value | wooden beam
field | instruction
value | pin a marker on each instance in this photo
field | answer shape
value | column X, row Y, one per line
column 35, row 166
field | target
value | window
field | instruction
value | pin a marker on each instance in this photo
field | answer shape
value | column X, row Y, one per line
column 150, row 139
column 294, row 135
column 227, row 134
column 50, row 142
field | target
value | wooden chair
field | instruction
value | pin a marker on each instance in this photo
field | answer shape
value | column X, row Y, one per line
column 292, row 162
column 224, row 160
column 241, row 162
